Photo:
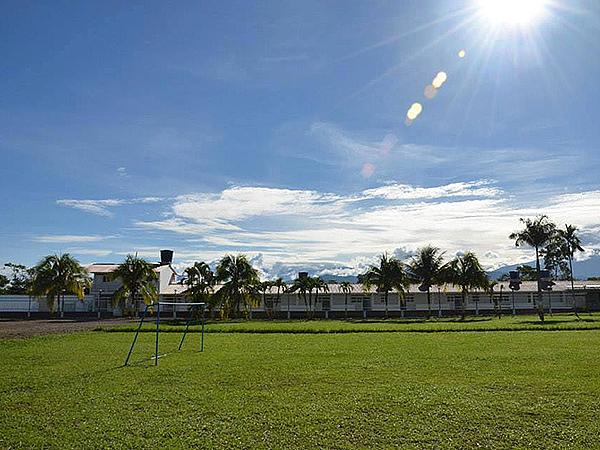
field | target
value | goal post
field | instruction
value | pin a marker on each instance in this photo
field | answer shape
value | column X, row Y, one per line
column 193, row 308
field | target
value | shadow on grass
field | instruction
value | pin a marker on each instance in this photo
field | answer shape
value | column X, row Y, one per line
column 558, row 321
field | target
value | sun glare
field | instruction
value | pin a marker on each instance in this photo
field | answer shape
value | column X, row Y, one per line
column 511, row 12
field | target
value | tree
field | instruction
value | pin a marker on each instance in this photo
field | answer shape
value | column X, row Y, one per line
column 281, row 287
column 466, row 272
column 19, row 280
column 387, row 276
column 346, row 288
column 263, row 288
column 536, row 233
column 58, row 275
column 303, row 286
column 239, row 280
column 426, row 268
column 200, row 281
column 572, row 244
column 319, row 285
column 138, row 280
column 555, row 258
column 497, row 301
column 4, row 284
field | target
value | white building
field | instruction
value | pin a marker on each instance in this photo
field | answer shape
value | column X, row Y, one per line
column 104, row 286
column 445, row 300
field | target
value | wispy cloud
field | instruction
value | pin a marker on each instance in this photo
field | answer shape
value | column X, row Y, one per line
column 102, row 207
column 462, row 189
column 90, row 251
column 69, row 238
column 338, row 230
column 300, row 226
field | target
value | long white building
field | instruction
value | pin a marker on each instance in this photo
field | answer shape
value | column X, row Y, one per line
column 445, row 300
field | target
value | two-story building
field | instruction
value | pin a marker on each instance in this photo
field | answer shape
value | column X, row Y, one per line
column 104, row 285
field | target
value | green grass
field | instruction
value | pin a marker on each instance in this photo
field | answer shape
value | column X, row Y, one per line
column 481, row 323
column 355, row 390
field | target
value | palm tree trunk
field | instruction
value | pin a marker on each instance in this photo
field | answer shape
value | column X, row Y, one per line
column 428, row 303
column 540, row 305
column 346, row 305
column 386, row 304
column 462, row 306
column 572, row 285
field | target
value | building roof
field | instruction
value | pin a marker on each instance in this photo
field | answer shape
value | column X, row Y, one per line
column 526, row 286
column 109, row 268
column 101, row 268
column 173, row 289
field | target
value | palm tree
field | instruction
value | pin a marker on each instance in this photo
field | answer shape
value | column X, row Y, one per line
column 466, row 272
column 426, row 268
column 537, row 234
column 572, row 245
column 263, row 288
column 200, row 281
column 319, row 285
column 346, row 288
column 239, row 280
column 58, row 275
column 387, row 276
column 282, row 288
column 303, row 285
column 138, row 279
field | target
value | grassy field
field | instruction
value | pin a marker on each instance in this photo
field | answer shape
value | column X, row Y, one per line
column 481, row 323
column 355, row 390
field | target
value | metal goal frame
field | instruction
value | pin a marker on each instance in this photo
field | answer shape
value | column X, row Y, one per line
column 193, row 307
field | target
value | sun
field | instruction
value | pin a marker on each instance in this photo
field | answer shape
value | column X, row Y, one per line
column 511, row 12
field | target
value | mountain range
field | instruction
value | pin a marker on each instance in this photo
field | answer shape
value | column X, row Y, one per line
column 583, row 269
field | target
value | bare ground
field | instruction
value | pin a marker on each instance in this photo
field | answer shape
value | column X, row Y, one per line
column 15, row 329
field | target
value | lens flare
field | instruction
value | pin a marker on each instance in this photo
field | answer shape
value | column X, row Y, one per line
column 414, row 111
column 439, row 80
column 462, row 54
column 430, row 92
column 367, row 170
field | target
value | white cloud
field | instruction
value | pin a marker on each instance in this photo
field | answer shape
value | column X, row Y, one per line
column 342, row 234
column 300, row 227
column 98, row 207
column 69, row 238
column 101, row 207
column 90, row 252
column 462, row 189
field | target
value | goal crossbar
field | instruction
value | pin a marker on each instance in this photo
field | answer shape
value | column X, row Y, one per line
column 177, row 304
column 157, row 305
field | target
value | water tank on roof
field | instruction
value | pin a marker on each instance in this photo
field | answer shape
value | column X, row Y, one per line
column 546, row 282
column 166, row 257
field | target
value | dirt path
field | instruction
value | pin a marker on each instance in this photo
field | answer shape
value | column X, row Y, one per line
column 13, row 329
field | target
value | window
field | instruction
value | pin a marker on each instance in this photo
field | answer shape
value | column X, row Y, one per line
column 326, row 305
column 106, row 278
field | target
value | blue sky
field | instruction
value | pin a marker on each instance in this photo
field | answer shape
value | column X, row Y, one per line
column 278, row 129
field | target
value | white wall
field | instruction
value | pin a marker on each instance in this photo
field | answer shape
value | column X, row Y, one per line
column 24, row 303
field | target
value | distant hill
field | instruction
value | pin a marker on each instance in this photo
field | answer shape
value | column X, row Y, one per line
column 582, row 269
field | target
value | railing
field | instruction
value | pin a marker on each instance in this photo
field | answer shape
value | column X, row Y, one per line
column 26, row 304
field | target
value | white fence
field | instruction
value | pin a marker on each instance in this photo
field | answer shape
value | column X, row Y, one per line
column 24, row 304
